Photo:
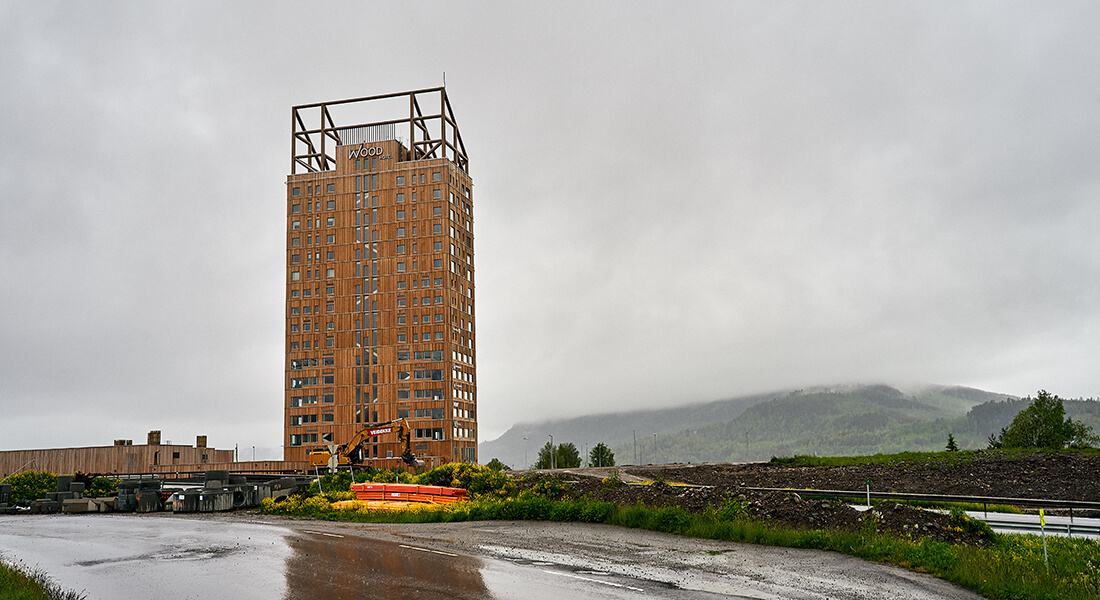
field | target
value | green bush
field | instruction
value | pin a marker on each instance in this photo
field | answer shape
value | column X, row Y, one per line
column 31, row 485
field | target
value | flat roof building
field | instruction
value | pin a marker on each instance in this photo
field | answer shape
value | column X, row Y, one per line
column 380, row 279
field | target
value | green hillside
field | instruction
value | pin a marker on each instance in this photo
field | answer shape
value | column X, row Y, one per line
column 836, row 421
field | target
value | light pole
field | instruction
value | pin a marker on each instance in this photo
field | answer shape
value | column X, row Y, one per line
column 553, row 462
column 635, row 432
column 524, row 453
column 655, row 448
column 586, row 455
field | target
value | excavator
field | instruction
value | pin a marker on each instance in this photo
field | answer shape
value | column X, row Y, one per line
column 348, row 454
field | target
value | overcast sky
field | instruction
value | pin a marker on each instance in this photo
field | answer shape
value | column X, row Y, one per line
column 674, row 203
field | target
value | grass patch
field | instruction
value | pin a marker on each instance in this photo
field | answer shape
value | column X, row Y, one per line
column 1012, row 568
column 21, row 584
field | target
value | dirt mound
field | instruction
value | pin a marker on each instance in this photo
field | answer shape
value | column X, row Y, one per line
column 1059, row 476
column 1066, row 476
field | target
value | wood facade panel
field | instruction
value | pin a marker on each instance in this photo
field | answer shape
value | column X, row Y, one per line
column 107, row 460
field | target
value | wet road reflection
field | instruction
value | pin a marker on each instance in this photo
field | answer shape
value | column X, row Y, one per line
column 335, row 566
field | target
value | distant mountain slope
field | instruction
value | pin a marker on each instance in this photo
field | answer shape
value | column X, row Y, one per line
column 836, row 421
column 851, row 419
column 611, row 428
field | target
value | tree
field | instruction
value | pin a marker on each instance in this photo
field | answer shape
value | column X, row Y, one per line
column 996, row 441
column 951, row 445
column 1043, row 424
column 601, row 456
column 568, row 456
column 496, row 465
column 546, row 456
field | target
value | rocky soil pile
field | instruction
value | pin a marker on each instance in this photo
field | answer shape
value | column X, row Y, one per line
column 1059, row 476
column 1004, row 475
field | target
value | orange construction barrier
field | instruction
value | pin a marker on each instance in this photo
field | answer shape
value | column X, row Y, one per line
column 407, row 492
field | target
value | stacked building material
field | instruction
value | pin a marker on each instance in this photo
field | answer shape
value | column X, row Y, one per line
column 406, row 492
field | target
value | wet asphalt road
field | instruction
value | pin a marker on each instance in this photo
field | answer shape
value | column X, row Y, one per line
column 168, row 556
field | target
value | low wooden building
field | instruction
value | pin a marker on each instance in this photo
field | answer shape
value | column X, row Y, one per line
column 122, row 458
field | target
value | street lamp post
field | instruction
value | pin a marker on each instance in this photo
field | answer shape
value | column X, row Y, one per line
column 253, row 453
column 553, row 462
column 635, row 432
column 654, row 448
column 525, row 453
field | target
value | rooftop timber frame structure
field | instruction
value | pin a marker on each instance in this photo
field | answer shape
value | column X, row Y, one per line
column 433, row 135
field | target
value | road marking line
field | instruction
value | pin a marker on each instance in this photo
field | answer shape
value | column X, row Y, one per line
column 427, row 550
column 618, row 585
column 322, row 533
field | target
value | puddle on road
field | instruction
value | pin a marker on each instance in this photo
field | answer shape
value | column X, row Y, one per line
column 355, row 568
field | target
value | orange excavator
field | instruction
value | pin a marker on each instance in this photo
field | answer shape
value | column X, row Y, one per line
column 348, row 454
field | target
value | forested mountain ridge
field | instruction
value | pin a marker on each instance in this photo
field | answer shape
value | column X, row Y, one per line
column 840, row 420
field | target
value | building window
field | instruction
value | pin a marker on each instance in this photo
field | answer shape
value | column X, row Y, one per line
column 400, row 232
column 437, row 228
column 332, row 205
column 401, row 267
column 437, row 263
column 439, row 299
column 436, row 194
column 330, row 221
column 437, row 176
column 330, row 273
column 328, row 379
column 438, row 318
column 328, row 418
column 400, row 180
column 330, row 307
column 401, row 248
column 401, row 338
column 328, row 361
column 437, row 211
column 295, row 225
column 296, row 191
column 330, row 342
column 331, row 326
column 400, row 214
column 326, row 398
column 439, row 335
column 293, row 345
column 326, row 437
column 330, row 188
column 295, row 209
column 401, row 285
column 294, row 275
column 330, row 291
column 330, row 238
column 294, row 259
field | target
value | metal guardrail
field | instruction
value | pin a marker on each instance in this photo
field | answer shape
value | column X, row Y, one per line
column 983, row 500
column 1069, row 529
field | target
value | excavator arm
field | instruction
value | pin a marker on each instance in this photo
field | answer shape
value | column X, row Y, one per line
column 345, row 454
